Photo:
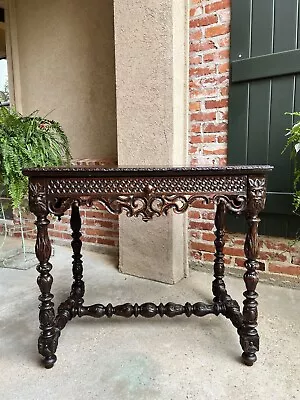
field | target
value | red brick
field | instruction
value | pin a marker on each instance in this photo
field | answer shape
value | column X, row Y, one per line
column 210, row 139
column 214, row 151
column 193, row 149
column 204, row 92
column 216, row 31
column 217, row 6
column 240, row 262
column 65, row 235
column 215, row 128
column 201, row 204
column 204, row 45
column 196, row 235
column 195, row 36
column 203, row 21
column 203, row 247
column 216, row 104
column 222, row 41
column 223, row 116
column 209, row 57
column 200, row 71
column 216, row 55
column 195, row 106
column 56, row 234
column 192, row 12
column 232, row 251
column 284, row 269
column 93, row 213
column 208, row 257
column 208, row 236
column 107, row 215
column 195, row 60
column 196, row 128
column 224, row 91
column 194, row 214
column 222, row 138
column 237, row 241
column 62, row 227
column 204, row 116
column 108, row 224
column 201, row 225
column 223, row 68
column 207, row 214
column 215, row 81
column 196, row 139
column 277, row 245
column 273, row 256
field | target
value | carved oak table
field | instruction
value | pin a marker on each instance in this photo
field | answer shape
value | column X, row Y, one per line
column 147, row 192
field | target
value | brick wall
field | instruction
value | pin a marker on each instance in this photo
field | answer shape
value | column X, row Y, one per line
column 100, row 229
column 209, row 83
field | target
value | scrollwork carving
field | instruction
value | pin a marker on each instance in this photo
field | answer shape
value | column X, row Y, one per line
column 149, row 204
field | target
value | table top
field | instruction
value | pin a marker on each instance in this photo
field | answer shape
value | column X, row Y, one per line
column 136, row 171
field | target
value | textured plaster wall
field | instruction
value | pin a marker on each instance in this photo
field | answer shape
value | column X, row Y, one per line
column 2, row 40
column 151, row 44
column 66, row 59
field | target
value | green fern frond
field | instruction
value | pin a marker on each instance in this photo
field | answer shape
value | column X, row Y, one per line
column 28, row 141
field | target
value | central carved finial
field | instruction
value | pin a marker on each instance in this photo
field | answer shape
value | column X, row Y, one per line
column 149, row 189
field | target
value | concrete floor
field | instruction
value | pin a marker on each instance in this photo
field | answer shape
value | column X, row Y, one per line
column 168, row 359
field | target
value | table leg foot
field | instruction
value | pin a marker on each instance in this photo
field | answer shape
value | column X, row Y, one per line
column 249, row 359
column 48, row 362
column 47, row 347
column 250, row 345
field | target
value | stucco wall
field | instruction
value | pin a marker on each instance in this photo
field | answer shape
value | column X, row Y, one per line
column 66, row 68
column 2, row 40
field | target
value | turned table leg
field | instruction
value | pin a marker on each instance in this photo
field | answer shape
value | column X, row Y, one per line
column 77, row 291
column 218, row 285
column 249, row 337
column 48, row 339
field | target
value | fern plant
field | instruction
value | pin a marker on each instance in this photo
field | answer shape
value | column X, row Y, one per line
column 28, row 141
column 293, row 142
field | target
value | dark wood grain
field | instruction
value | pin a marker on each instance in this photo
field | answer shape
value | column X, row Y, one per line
column 147, row 193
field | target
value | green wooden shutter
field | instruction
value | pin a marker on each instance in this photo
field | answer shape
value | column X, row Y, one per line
column 265, row 83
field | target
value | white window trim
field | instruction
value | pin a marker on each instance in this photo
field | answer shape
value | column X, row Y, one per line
column 12, row 54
